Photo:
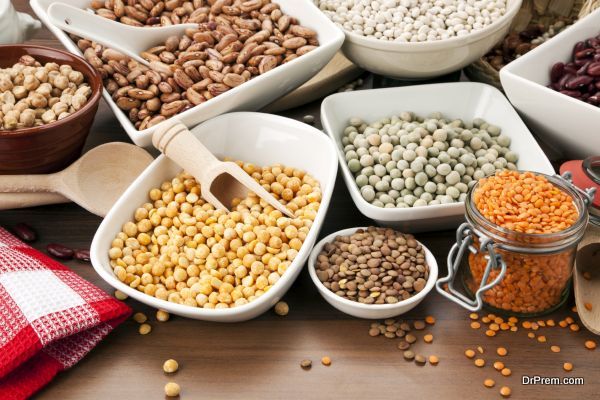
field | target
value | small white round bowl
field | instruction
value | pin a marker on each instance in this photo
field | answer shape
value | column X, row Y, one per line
column 369, row 311
column 419, row 60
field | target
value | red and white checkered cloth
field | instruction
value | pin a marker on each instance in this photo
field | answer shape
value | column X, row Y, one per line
column 50, row 318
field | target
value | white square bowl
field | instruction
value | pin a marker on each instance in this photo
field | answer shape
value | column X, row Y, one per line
column 252, row 95
column 568, row 125
column 464, row 100
column 263, row 139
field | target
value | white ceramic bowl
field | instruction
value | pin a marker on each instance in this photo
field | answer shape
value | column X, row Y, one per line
column 464, row 100
column 568, row 125
column 370, row 311
column 263, row 139
column 426, row 59
column 252, row 95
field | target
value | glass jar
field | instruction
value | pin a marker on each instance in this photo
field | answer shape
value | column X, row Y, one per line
column 512, row 272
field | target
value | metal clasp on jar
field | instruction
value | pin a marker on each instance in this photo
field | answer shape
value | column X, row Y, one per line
column 464, row 242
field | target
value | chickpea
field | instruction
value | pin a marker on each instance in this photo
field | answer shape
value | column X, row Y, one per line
column 170, row 366
column 172, row 389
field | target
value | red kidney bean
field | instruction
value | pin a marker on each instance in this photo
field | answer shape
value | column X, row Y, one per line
column 580, row 76
column 25, row 232
column 572, row 93
column 584, row 53
column 578, row 82
column 594, row 69
column 82, row 255
column 557, row 71
column 59, row 251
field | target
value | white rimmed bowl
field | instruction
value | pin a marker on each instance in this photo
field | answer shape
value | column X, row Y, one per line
column 262, row 139
column 465, row 100
column 252, row 95
column 568, row 125
column 426, row 59
column 370, row 311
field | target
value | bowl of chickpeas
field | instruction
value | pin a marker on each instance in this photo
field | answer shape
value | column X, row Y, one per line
column 163, row 245
column 48, row 100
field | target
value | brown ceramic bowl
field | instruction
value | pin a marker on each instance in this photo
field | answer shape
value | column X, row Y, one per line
column 51, row 147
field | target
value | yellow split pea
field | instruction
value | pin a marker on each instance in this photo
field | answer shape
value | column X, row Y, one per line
column 180, row 249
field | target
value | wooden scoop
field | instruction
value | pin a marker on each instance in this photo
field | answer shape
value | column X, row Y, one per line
column 126, row 39
column 95, row 181
column 588, row 290
column 220, row 182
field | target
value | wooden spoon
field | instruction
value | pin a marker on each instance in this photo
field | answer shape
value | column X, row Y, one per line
column 126, row 39
column 95, row 181
column 220, row 182
column 588, row 290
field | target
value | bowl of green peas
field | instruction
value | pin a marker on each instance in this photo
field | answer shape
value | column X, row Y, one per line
column 409, row 155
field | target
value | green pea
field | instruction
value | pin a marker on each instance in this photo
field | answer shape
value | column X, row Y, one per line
column 419, row 203
column 398, row 183
column 368, row 193
column 444, row 169
column 354, row 165
column 362, row 180
column 421, row 178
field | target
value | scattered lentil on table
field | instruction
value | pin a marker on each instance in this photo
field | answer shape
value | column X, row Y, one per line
column 180, row 249
column 409, row 161
column 140, row 318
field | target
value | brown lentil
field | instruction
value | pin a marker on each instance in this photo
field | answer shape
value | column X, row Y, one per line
column 373, row 266
column 408, row 355
column 469, row 353
column 555, row 349
column 430, row 320
column 434, row 360
column 306, row 364
column 588, row 306
column 326, row 361
column 428, row 338
column 489, row 383
column 419, row 325
column 410, row 338
column 420, row 360
column 480, row 362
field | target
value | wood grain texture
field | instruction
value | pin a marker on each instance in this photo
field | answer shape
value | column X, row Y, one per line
column 260, row 359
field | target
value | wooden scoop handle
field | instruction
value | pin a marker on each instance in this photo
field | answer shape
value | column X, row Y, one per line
column 28, row 183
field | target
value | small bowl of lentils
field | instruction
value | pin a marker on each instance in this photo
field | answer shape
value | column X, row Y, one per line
column 372, row 272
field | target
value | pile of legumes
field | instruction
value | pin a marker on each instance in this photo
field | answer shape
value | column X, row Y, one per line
column 32, row 94
column 409, row 161
column 235, row 42
column 580, row 76
column 373, row 266
column 526, row 205
column 412, row 20
column 180, row 249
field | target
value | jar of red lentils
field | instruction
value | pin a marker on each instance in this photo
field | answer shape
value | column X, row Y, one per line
column 521, row 236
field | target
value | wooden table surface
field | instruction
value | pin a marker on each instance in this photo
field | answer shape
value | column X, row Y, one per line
column 260, row 358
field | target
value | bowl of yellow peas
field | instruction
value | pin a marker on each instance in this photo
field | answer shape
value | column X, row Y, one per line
column 163, row 245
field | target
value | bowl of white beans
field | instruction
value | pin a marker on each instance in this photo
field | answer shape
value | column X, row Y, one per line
column 417, row 39
column 409, row 155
